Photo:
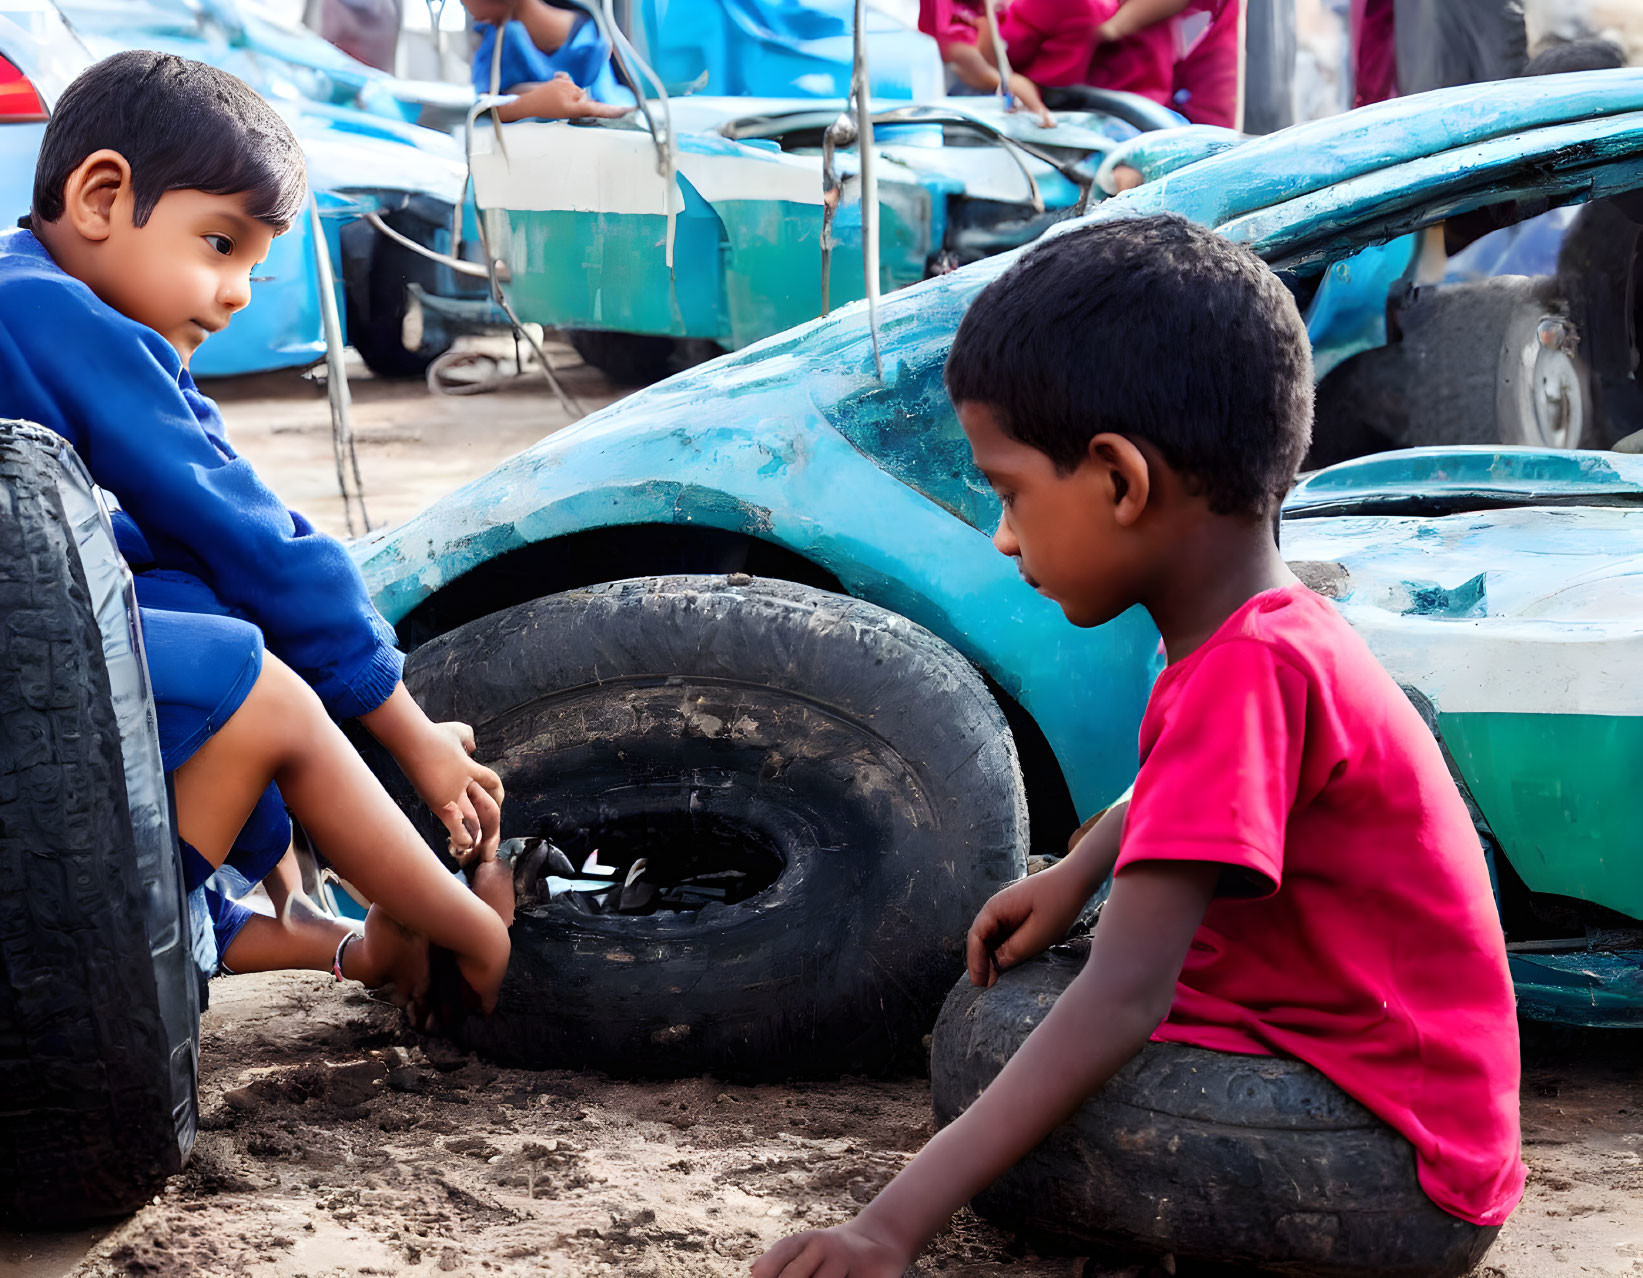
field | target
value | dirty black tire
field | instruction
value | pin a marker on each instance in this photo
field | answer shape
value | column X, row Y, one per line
column 376, row 322
column 628, row 359
column 1249, row 1162
column 99, row 1001
column 851, row 757
column 1463, row 371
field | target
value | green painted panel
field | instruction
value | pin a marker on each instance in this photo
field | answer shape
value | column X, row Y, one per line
column 609, row 271
column 1561, row 793
column 773, row 273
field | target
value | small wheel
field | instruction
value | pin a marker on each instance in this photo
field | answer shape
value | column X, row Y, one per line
column 824, row 795
column 1244, row 1162
column 1493, row 361
column 628, row 359
column 385, row 326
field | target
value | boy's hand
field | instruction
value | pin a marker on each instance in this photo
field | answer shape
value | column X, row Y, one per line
column 464, row 794
column 389, row 954
column 845, row 1251
column 1021, row 920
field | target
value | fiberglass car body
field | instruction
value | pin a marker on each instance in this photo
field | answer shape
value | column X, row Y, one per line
column 579, row 214
column 792, row 458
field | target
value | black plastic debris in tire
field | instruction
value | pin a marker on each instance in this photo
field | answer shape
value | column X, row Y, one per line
column 99, row 995
column 835, row 783
column 1250, row 1162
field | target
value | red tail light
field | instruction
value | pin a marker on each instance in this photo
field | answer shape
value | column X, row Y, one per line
column 19, row 100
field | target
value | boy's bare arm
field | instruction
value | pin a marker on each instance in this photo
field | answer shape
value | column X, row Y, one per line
column 560, row 98
column 1104, row 1018
column 1138, row 15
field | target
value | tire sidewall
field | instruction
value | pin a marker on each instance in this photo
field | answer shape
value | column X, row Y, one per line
column 868, row 751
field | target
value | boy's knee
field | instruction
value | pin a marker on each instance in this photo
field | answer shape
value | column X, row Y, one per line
column 282, row 699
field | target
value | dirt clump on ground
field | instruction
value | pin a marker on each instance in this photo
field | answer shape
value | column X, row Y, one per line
column 336, row 1142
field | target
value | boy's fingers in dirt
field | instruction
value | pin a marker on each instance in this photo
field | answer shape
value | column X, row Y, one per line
column 774, row 1261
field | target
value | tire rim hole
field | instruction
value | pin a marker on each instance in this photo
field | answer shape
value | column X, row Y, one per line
column 686, row 860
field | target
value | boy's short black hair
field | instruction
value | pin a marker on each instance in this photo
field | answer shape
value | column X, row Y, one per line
column 182, row 126
column 1150, row 327
column 1590, row 54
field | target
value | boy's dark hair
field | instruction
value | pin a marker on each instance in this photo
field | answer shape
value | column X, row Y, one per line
column 181, row 125
column 1150, row 327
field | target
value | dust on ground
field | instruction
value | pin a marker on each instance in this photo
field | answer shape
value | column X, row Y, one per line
column 334, row 1142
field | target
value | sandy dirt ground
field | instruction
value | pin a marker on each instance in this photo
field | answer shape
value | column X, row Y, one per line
column 334, row 1142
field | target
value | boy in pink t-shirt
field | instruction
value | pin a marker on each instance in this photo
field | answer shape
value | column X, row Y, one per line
column 1296, row 874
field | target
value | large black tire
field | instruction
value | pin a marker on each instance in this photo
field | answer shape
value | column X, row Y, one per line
column 1493, row 361
column 851, row 762
column 378, row 306
column 99, row 994
column 1251, row 1162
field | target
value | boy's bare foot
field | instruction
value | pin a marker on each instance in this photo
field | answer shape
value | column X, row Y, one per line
column 493, row 884
column 389, row 956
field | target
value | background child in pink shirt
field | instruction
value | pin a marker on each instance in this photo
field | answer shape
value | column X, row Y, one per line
column 1296, row 874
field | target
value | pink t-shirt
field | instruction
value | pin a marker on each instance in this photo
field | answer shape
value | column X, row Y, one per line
column 1366, row 941
column 1048, row 41
column 1206, row 74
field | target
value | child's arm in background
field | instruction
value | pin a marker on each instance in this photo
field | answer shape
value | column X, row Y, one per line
column 437, row 760
column 560, row 98
column 1103, row 1019
column 1138, row 15
column 971, row 66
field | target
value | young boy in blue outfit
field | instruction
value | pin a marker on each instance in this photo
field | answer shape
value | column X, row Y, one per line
column 556, row 62
column 160, row 185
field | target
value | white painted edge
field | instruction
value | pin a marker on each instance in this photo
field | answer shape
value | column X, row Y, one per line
column 561, row 168
column 564, row 168
column 1492, row 665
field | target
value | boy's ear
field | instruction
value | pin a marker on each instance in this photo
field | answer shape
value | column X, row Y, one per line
column 91, row 191
column 1122, row 471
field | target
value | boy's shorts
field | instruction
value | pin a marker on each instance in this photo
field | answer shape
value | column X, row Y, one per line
column 201, row 668
column 202, row 664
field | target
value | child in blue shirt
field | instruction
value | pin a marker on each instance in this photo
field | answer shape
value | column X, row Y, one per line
column 556, row 62
column 160, row 186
